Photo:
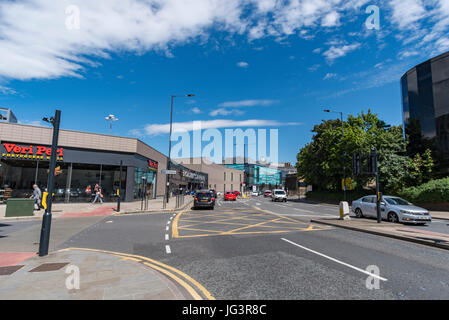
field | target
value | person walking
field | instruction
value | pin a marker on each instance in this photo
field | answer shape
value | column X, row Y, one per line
column 98, row 194
column 37, row 196
column 88, row 192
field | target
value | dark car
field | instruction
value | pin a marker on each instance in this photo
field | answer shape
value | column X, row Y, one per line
column 204, row 199
column 214, row 192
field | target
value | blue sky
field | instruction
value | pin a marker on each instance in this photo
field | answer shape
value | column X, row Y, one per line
column 277, row 62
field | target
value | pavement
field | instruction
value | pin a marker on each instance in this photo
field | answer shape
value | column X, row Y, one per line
column 391, row 230
column 71, row 210
column 86, row 274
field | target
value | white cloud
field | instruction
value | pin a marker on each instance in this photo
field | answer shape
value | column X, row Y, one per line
column 329, row 76
column 225, row 112
column 36, row 44
column 337, row 52
column 407, row 12
column 242, row 64
column 332, row 19
column 195, row 110
column 247, row 103
column 7, row 91
column 156, row 129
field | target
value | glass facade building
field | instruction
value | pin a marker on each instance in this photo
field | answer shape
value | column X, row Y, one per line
column 261, row 176
column 425, row 105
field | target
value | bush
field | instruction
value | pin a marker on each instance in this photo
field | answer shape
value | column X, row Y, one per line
column 434, row 191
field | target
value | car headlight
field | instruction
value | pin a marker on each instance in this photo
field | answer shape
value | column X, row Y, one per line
column 406, row 212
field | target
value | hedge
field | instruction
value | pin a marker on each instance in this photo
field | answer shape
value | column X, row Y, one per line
column 434, row 191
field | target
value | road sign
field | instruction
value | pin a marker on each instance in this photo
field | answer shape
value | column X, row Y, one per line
column 168, row 171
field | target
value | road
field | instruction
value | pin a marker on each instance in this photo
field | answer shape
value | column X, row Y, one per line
column 255, row 249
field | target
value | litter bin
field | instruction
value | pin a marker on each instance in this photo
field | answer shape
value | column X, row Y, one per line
column 19, row 207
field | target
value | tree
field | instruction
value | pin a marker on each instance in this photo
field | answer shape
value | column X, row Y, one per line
column 320, row 162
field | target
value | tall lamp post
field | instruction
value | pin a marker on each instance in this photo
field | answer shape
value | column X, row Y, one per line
column 167, row 190
column 46, row 219
column 111, row 118
column 344, row 151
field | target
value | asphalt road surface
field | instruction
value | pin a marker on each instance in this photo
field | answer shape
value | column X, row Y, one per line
column 255, row 249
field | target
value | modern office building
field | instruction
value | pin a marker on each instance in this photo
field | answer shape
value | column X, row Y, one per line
column 85, row 159
column 220, row 178
column 6, row 115
column 425, row 104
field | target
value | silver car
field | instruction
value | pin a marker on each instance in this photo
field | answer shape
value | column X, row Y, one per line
column 393, row 209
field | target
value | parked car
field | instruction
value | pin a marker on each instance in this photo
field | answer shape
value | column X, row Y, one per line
column 230, row 196
column 204, row 198
column 267, row 193
column 393, row 209
column 255, row 193
column 279, row 195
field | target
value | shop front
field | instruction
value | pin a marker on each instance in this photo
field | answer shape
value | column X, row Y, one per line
column 22, row 165
column 186, row 179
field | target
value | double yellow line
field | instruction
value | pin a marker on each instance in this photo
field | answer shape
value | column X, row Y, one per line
column 192, row 286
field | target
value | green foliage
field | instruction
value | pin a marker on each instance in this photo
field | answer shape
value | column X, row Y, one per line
column 320, row 162
column 434, row 191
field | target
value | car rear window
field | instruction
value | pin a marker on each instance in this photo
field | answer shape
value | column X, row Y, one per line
column 279, row 192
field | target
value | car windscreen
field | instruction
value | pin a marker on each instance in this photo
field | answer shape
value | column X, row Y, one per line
column 398, row 201
column 280, row 192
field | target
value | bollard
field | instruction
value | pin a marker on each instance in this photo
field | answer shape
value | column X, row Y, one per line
column 344, row 210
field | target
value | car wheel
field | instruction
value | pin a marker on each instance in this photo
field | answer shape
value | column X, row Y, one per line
column 393, row 217
column 358, row 213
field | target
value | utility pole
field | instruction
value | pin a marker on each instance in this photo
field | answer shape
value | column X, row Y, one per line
column 46, row 219
column 167, row 179
column 119, row 191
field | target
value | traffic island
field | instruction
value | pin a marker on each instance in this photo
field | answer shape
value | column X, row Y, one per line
column 390, row 230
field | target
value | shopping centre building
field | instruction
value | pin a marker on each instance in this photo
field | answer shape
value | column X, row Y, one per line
column 221, row 178
column 85, row 159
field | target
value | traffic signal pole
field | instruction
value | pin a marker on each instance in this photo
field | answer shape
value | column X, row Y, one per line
column 46, row 219
column 378, row 193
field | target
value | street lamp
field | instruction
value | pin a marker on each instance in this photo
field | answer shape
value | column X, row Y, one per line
column 46, row 219
column 167, row 190
column 111, row 118
column 344, row 151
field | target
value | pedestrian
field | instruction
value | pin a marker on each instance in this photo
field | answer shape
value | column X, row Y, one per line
column 37, row 196
column 98, row 194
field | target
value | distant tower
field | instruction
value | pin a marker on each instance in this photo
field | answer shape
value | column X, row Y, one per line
column 6, row 115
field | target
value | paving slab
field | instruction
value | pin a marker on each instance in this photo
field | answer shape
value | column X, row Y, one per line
column 102, row 276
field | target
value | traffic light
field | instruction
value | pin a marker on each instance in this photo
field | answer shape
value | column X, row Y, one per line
column 356, row 164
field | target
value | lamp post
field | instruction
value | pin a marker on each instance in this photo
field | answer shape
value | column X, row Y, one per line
column 46, row 219
column 167, row 190
column 111, row 118
column 344, row 151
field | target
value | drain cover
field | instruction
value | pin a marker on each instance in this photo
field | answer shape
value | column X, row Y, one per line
column 49, row 267
column 6, row 271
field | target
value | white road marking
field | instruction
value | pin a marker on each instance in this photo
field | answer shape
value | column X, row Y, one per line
column 167, row 249
column 335, row 260
column 258, row 203
column 166, row 236
column 167, row 228
column 110, row 221
column 171, row 218
column 168, row 222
